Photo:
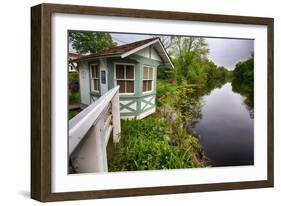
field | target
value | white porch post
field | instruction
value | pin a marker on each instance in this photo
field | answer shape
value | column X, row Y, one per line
column 103, row 76
column 116, row 122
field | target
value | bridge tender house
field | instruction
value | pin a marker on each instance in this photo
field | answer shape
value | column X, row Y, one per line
column 131, row 66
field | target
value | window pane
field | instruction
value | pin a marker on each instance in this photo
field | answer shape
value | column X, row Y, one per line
column 129, row 72
column 122, row 86
column 95, row 71
column 150, row 74
column 120, row 71
column 149, row 85
column 96, row 84
column 130, row 86
column 145, row 72
column 144, row 85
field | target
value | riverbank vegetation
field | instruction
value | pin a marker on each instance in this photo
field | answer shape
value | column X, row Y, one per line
column 243, row 80
column 153, row 144
column 162, row 140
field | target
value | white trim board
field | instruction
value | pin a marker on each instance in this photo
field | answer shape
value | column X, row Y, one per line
column 141, row 116
column 138, row 48
column 146, row 45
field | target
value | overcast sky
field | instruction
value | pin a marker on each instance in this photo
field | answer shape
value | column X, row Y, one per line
column 223, row 52
column 228, row 52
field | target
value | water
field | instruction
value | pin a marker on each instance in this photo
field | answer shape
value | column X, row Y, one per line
column 226, row 128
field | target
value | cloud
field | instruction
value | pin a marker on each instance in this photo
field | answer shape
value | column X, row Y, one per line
column 228, row 52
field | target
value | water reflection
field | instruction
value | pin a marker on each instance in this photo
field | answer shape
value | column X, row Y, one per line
column 226, row 128
column 246, row 91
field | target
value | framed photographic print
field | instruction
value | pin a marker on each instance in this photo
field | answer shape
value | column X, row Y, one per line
column 130, row 102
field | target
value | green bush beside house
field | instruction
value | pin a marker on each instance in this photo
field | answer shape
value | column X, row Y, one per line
column 160, row 141
column 148, row 145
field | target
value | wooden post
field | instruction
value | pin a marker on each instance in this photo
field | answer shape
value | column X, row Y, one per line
column 116, row 122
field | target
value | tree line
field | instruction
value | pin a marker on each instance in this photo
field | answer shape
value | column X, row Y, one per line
column 192, row 65
column 243, row 80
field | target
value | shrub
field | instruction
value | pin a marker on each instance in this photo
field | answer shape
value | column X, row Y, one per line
column 164, row 89
column 73, row 97
column 72, row 114
column 73, row 88
column 73, row 82
column 145, row 145
column 188, row 103
column 164, row 72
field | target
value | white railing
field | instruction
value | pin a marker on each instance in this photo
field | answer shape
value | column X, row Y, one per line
column 89, row 132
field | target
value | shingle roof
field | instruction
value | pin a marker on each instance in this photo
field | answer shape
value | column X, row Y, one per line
column 117, row 50
column 74, row 55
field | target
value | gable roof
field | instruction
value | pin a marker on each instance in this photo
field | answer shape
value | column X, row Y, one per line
column 128, row 49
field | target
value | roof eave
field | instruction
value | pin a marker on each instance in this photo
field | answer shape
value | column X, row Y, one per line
column 93, row 58
column 138, row 48
column 146, row 45
column 167, row 55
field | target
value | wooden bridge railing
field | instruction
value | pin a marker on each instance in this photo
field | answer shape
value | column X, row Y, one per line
column 89, row 132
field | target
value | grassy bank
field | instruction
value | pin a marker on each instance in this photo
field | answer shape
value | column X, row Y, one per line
column 149, row 144
column 160, row 141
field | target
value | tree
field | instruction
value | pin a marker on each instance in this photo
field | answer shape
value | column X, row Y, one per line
column 166, row 41
column 243, row 80
column 244, row 72
column 90, row 42
column 190, row 58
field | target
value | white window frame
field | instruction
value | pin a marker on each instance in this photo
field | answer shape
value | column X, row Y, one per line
column 153, row 79
column 92, row 79
column 115, row 79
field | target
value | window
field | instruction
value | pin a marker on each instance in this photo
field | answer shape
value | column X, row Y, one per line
column 95, row 77
column 125, row 78
column 147, row 83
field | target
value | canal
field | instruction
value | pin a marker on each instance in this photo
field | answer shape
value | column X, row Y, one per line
column 226, row 128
